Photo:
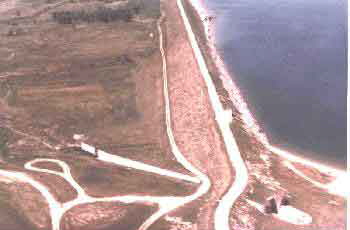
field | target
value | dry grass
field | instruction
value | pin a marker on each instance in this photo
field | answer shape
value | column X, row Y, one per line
column 99, row 79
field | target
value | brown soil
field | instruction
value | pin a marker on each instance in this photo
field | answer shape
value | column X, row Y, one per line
column 48, row 165
column 101, row 179
column 195, row 128
column 57, row 186
column 106, row 216
column 314, row 173
column 99, row 79
column 23, row 208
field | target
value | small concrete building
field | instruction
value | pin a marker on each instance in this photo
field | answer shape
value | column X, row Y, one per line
column 89, row 149
column 270, row 205
column 273, row 203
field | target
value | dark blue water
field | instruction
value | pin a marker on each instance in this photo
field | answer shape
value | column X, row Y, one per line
column 289, row 59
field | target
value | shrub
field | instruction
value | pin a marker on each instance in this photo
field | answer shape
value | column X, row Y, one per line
column 101, row 14
column 147, row 8
column 3, row 142
column 8, row 92
column 11, row 97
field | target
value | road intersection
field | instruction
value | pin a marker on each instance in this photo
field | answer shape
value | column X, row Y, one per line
column 166, row 204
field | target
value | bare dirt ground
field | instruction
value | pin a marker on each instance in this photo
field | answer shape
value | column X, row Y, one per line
column 106, row 216
column 314, row 173
column 92, row 74
column 99, row 79
column 66, row 68
column 194, row 126
column 33, row 208
column 268, row 175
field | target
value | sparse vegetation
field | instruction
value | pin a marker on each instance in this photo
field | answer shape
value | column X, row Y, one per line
column 15, row 31
column 101, row 14
column 11, row 96
column 3, row 143
column 8, row 92
column 147, row 8
column 125, row 110
column 89, row 68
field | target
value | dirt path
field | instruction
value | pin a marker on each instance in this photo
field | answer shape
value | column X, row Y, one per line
column 166, row 204
column 195, row 128
column 58, row 209
column 224, row 120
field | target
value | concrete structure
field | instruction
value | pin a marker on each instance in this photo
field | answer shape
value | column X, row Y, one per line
column 273, row 203
column 270, row 206
column 88, row 148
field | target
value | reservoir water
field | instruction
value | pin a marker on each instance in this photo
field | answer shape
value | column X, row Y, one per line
column 289, row 59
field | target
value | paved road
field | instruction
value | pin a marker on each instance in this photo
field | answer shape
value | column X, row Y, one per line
column 286, row 213
column 205, row 182
column 104, row 156
column 166, row 203
column 57, row 209
column 223, row 118
column 339, row 186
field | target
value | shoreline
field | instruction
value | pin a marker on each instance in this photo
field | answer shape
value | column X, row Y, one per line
column 194, row 106
column 270, row 171
column 236, row 101
column 223, row 117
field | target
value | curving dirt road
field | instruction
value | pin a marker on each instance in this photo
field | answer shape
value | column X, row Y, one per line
column 166, row 204
column 223, row 118
column 57, row 209
column 338, row 186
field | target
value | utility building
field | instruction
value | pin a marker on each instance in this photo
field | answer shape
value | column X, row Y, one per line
column 273, row 203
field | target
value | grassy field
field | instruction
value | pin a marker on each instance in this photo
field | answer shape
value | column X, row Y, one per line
column 91, row 68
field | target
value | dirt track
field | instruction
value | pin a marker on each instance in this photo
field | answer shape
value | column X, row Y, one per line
column 194, row 125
